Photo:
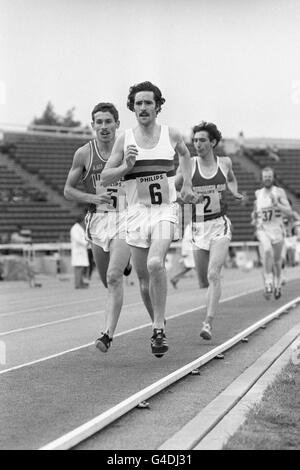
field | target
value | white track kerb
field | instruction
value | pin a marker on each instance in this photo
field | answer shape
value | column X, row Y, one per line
column 86, row 430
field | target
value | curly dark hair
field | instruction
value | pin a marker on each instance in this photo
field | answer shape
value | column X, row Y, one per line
column 106, row 107
column 210, row 128
column 145, row 86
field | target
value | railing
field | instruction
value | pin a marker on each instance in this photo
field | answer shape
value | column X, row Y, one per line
column 56, row 246
column 57, row 131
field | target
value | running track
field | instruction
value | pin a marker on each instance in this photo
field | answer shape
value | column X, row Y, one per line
column 41, row 401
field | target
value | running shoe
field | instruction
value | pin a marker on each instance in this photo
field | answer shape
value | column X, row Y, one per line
column 277, row 293
column 128, row 269
column 205, row 333
column 82, row 286
column 159, row 345
column 103, row 342
column 268, row 291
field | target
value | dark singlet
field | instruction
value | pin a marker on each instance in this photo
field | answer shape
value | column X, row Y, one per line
column 213, row 190
column 91, row 181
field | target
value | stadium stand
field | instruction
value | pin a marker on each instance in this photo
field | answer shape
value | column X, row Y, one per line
column 48, row 156
column 26, row 205
column 287, row 167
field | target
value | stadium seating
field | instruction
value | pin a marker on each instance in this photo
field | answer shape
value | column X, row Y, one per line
column 18, row 205
column 48, row 156
column 287, row 168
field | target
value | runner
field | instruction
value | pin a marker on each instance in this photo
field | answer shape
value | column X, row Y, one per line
column 144, row 156
column 270, row 205
column 211, row 228
column 106, row 217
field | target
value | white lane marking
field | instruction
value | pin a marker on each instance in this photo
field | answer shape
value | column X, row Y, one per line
column 86, row 430
column 185, row 312
column 62, row 320
column 47, row 307
column 44, row 307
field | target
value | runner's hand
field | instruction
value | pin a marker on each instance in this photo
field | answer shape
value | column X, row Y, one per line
column 200, row 199
column 243, row 198
column 130, row 156
column 187, row 194
column 103, row 198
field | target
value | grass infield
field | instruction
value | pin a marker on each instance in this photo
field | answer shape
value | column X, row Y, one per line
column 274, row 423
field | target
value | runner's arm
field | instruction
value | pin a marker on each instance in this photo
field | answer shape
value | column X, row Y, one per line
column 282, row 203
column 71, row 193
column 178, row 179
column 185, row 164
column 119, row 162
column 232, row 183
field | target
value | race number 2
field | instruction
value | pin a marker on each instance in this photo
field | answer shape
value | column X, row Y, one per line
column 210, row 203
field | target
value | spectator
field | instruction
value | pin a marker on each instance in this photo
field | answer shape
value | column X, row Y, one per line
column 17, row 195
column 5, row 195
column 79, row 252
column 21, row 235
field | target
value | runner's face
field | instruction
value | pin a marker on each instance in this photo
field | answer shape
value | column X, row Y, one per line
column 105, row 126
column 202, row 143
column 145, row 107
column 268, row 178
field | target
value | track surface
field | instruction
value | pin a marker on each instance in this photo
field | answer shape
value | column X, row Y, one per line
column 42, row 401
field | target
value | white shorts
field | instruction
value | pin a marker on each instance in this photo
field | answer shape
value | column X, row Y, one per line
column 141, row 220
column 269, row 236
column 103, row 227
column 206, row 232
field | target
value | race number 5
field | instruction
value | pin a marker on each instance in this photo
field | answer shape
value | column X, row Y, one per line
column 114, row 198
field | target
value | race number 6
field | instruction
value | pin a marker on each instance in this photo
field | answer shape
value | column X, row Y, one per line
column 155, row 193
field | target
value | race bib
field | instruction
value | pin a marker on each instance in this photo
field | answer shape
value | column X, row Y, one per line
column 117, row 195
column 211, row 202
column 267, row 215
column 153, row 190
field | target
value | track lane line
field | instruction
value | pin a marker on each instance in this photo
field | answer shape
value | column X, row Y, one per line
column 74, row 317
column 46, row 307
column 62, row 320
column 185, row 312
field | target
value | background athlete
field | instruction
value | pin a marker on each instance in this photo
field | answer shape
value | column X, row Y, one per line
column 106, row 218
column 211, row 228
column 270, row 205
column 144, row 156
